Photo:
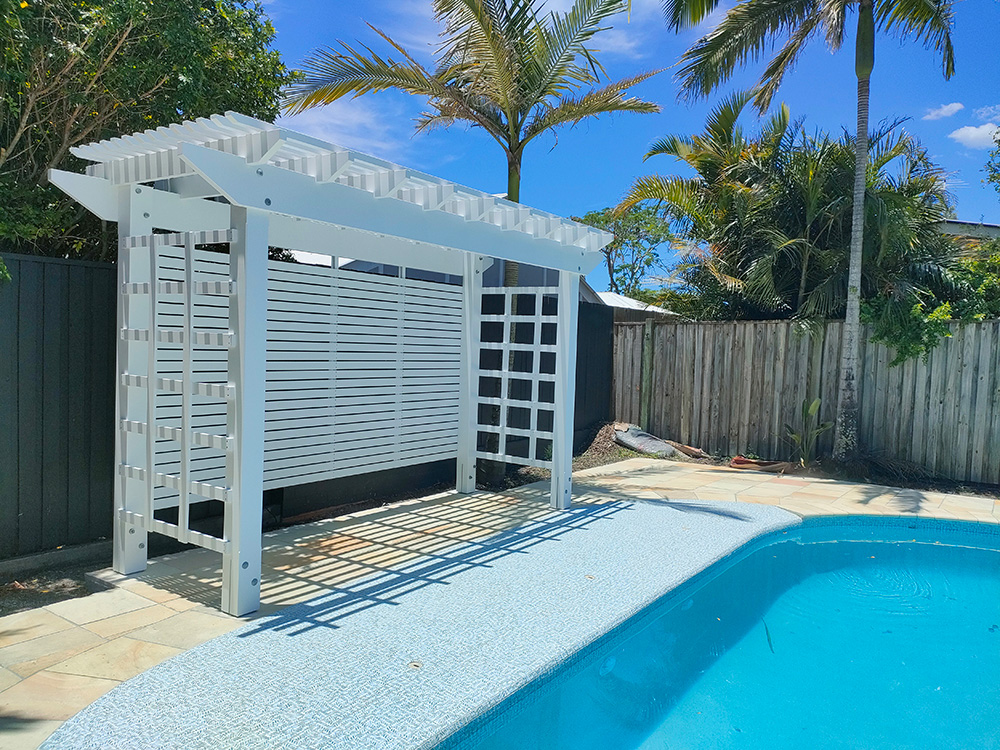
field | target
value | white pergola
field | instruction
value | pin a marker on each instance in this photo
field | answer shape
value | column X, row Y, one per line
column 238, row 373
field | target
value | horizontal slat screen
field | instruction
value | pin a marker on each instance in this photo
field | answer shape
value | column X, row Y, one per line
column 363, row 371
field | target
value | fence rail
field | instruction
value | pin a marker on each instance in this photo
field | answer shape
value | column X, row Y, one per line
column 732, row 387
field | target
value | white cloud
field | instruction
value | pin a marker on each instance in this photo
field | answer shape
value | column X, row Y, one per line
column 623, row 42
column 378, row 127
column 982, row 136
column 988, row 113
column 945, row 110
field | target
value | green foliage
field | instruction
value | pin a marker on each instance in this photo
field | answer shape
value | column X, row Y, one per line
column 505, row 67
column 981, row 272
column 911, row 333
column 76, row 72
column 767, row 222
column 993, row 164
column 4, row 273
column 809, row 431
column 634, row 252
column 751, row 29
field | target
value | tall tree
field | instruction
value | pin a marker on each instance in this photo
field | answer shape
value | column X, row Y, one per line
column 767, row 216
column 502, row 66
column 993, row 163
column 746, row 33
column 634, row 252
column 76, row 71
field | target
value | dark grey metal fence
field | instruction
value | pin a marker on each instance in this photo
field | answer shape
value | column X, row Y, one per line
column 57, row 321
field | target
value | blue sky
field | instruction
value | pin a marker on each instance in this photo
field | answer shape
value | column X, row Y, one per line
column 590, row 166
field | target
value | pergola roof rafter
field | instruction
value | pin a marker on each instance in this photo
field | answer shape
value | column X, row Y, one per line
column 156, row 156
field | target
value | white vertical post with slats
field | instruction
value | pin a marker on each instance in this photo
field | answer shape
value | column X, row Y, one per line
column 152, row 355
column 187, row 392
column 472, row 289
column 241, row 565
column 129, row 555
column 561, row 494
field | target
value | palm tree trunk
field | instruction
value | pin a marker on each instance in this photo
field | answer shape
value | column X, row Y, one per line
column 510, row 269
column 845, row 441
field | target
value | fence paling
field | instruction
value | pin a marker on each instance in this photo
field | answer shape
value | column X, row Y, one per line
column 732, row 387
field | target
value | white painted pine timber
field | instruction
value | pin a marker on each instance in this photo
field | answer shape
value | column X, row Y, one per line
column 248, row 269
column 561, row 494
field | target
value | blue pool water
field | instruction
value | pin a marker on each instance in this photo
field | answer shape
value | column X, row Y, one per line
column 887, row 638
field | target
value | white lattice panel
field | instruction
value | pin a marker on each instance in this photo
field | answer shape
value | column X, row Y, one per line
column 518, row 342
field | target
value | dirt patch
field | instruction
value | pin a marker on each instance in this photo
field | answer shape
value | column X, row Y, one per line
column 45, row 587
column 600, row 450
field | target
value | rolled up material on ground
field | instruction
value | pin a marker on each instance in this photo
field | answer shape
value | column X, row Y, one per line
column 642, row 442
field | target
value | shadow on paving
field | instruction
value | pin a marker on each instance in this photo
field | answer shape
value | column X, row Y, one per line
column 390, row 586
column 903, row 500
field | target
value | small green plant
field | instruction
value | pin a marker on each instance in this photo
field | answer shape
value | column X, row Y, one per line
column 811, row 428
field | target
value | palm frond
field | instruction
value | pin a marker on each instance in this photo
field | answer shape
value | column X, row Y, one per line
column 683, row 14
column 563, row 40
column 929, row 21
column 570, row 110
column 785, row 60
column 329, row 74
column 745, row 34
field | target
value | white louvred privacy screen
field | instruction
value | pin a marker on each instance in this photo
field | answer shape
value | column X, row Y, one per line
column 363, row 371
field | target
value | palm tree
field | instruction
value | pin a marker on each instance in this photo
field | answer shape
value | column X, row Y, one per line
column 501, row 66
column 767, row 216
column 746, row 33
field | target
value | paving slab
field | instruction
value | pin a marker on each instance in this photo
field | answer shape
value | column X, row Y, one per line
column 402, row 657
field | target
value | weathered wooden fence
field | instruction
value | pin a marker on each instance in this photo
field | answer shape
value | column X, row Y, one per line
column 57, row 363
column 732, row 387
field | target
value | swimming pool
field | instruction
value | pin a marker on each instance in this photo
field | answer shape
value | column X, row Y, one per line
column 840, row 633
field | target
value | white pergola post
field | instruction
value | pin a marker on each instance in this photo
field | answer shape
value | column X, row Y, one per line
column 472, row 287
column 241, row 567
column 561, row 494
column 129, row 552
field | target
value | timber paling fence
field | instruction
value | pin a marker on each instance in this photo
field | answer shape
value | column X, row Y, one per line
column 731, row 388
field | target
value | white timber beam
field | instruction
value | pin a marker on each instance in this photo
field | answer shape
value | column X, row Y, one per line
column 98, row 196
column 472, row 286
column 271, row 188
column 241, row 564
column 129, row 551
column 561, row 493
column 173, row 212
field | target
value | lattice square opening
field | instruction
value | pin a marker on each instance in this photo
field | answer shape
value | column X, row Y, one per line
column 544, row 419
column 519, row 390
column 523, row 332
column 519, row 417
column 489, row 415
column 494, row 304
column 546, row 392
column 517, row 447
column 547, row 363
column 488, row 442
column 543, row 449
column 524, row 304
column 522, row 361
column 491, row 332
column 490, row 359
column 490, row 387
